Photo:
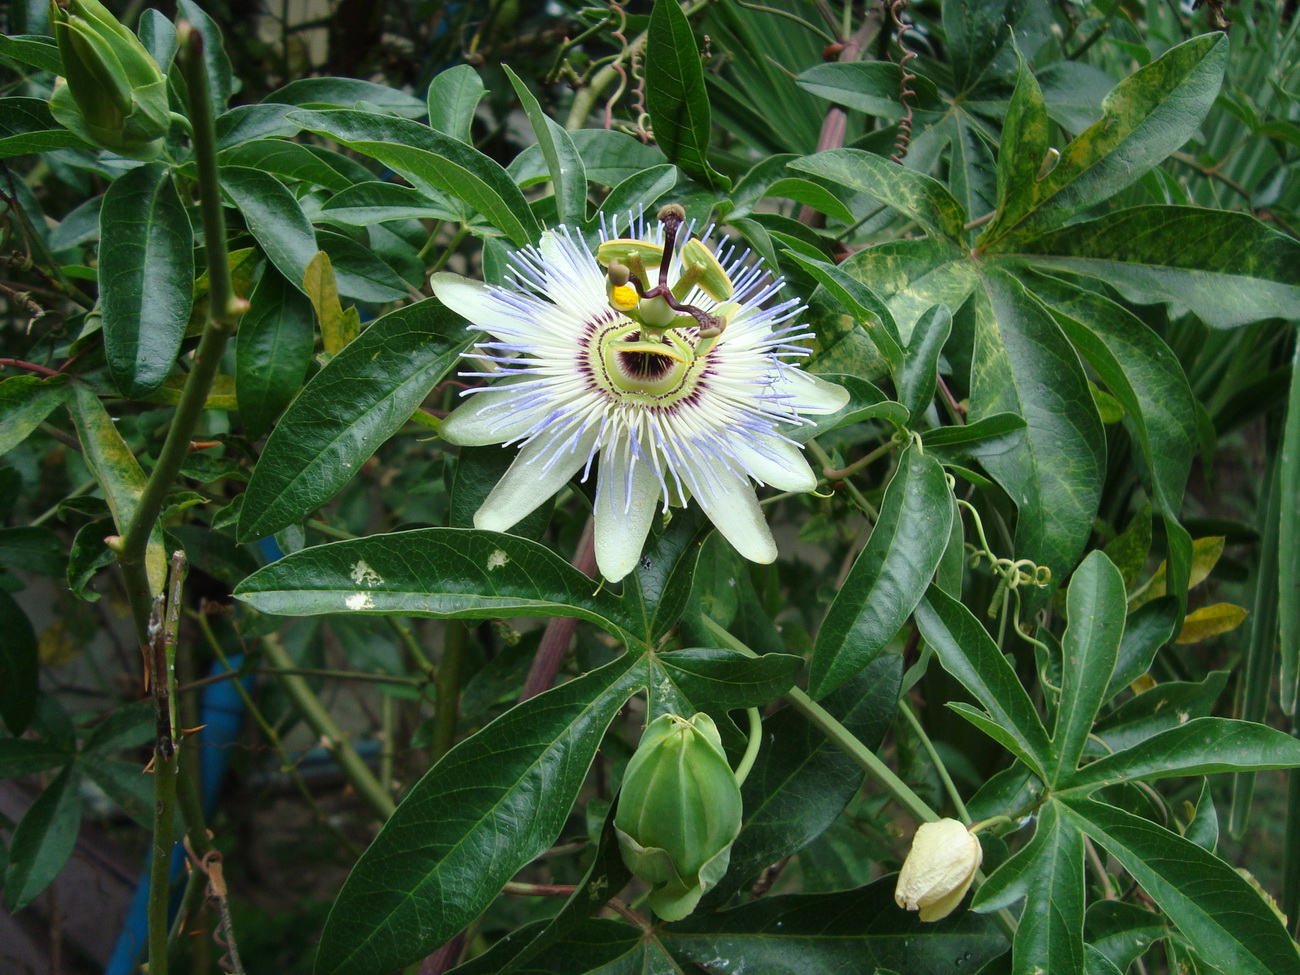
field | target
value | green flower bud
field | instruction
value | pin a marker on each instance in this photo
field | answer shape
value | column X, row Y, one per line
column 678, row 813
column 939, row 869
column 115, row 96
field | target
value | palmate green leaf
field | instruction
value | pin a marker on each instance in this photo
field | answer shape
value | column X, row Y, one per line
column 801, row 781
column 1147, row 629
column 607, row 875
column 19, row 666
column 1165, row 706
column 1201, row 746
column 289, row 160
column 1227, row 267
column 718, row 680
column 1146, row 117
column 373, row 202
column 920, row 373
column 676, row 96
column 594, row 946
column 920, row 197
column 430, row 158
column 272, row 350
column 26, row 126
column 117, row 472
column 846, row 933
column 347, row 93
column 568, row 175
column 360, row 399
column 867, row 310
column 1095, row 606
column 492, row 804
column 36, row 50
column 24, row 402
column 610, row 157
column 641, row 189
column 889, row 577
column 453, row 98
column 1214, row 907
column 446, row 573
column 1146, row 377
column 43, row 840
column 1122, row 932
column 274, row 218
column 868, row 86
column 1023, row 364
column 912, row 276
column 1025, row 134
column 976, row 31
column 1048, row 873
column 146, row 278
column 966, row 651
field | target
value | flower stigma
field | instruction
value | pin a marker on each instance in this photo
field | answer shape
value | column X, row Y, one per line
column 656, row 359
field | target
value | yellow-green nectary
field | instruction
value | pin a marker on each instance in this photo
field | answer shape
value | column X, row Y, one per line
column 679, row 811
column 115, row 96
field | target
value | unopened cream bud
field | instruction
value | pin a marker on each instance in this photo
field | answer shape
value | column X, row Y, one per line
column 939, row 869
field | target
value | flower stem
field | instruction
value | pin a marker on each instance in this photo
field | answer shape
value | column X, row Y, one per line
column 751, row 749
column 905, row 708
column 841, row 736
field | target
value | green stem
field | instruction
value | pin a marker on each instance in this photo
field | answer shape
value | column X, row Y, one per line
column 452, row 246
column 841, row 736
column 332, row 736
column 824, row 460
column 223, row 315
column 751, row 749
column 165, row 620
column 905, row 707
column 833, row 474
column 447, row 689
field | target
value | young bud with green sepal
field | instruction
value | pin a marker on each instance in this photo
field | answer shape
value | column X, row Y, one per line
column 115, row 96
column 679, row 811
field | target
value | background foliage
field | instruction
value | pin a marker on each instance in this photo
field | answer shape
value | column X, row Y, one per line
column 1060, row 506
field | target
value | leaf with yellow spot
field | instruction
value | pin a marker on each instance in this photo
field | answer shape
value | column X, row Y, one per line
column 1205, row 555
column 1210, row 621
column 337, row 327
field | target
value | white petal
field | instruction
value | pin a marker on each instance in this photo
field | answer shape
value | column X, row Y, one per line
column 811, row 394
column 537, row 473
column 574, row 280
column 729, row 501
column 623, row 518
column 475, row 302
column 775, row 462
column 487, row 418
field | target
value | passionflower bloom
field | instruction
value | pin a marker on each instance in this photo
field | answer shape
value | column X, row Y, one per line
column 939, row 869
column 653, row 355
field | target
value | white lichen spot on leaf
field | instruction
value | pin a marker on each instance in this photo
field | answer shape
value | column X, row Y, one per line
column 364, row 575
column 497, row 559
column 359, row 601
